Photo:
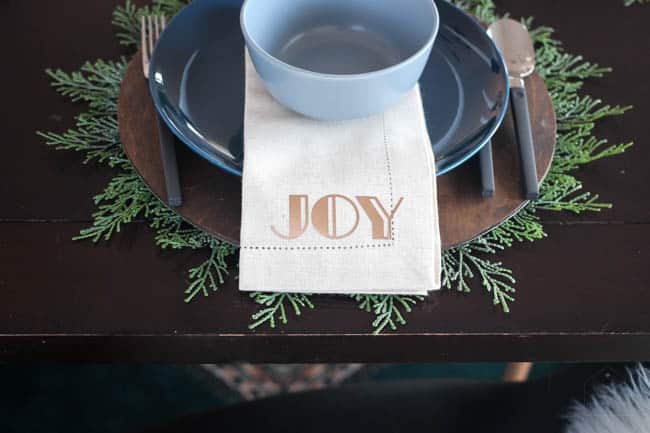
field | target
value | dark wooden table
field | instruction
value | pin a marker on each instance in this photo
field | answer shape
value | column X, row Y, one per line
column 583, row 293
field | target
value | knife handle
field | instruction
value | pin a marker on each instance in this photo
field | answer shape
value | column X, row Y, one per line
column 487, row 170
column 525, row 139
column 170, row 166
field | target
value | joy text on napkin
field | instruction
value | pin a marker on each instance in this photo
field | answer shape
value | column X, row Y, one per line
column 324, row 216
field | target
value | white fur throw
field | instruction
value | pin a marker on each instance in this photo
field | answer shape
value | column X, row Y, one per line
column 620, row 408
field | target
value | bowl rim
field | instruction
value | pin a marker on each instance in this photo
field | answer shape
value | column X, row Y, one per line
column 422, row 50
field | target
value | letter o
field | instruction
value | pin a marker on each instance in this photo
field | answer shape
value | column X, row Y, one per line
column 320, row 216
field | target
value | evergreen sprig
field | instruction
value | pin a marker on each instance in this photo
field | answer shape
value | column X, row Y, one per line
column 274, row 307
column 96, row 132
column 209, row 275
column 126, row 198
column 97, row 84
column 126, row 18
column 93, row 136
column 465, row 262
column 389, row 310
column 483, row 10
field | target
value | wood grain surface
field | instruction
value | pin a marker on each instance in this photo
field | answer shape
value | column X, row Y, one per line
column 582, row 293
column 212, row 197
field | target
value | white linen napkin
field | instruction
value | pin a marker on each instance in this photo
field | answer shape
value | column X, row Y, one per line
column 318, row 199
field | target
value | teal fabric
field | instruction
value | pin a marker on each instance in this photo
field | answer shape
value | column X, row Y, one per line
column 473, row 371
column 100, row 398
column 125, row 398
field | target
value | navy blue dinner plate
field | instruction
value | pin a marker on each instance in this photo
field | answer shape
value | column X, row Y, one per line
column 196, row 80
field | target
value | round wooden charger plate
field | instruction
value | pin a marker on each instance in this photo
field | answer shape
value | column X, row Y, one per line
column 212, row 197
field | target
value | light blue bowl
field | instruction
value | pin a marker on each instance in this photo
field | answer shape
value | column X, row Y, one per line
column 339, row 59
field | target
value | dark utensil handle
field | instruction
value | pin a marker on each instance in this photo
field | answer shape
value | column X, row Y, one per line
column 525, row 139
column 170, row 166
column 487, row 170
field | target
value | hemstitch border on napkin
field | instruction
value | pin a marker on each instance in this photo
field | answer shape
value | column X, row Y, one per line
column 389, row 173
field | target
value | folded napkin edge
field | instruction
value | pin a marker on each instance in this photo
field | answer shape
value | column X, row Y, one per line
column 356, row 291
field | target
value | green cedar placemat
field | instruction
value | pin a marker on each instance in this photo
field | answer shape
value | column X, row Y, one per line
column 126, row 197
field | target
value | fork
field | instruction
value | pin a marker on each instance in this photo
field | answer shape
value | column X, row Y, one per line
column 487, row 170
column 150, row 28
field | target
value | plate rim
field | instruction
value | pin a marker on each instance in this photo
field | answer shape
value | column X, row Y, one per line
column 210, row 157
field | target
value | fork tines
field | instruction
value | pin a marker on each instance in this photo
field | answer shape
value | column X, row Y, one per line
column 150, row 28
